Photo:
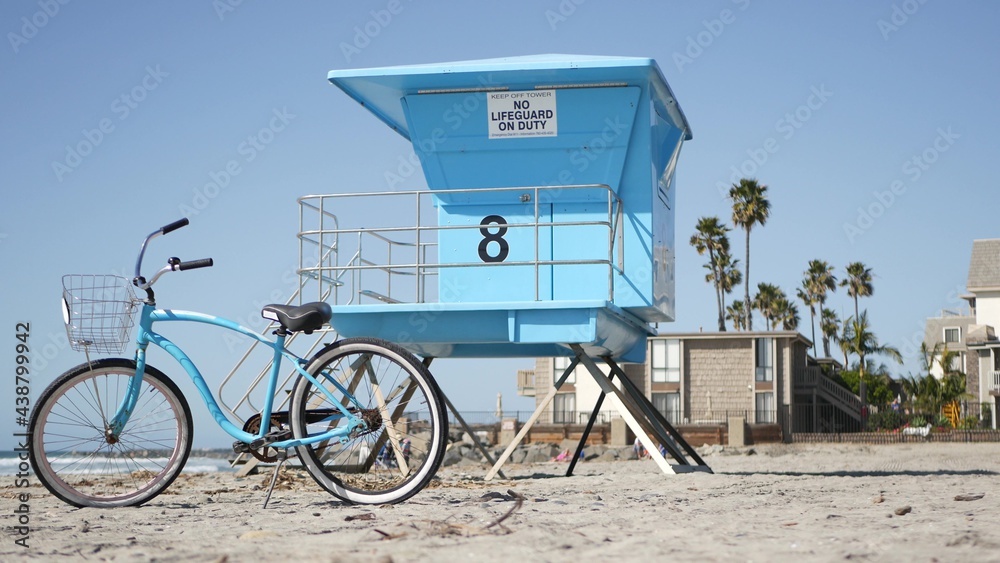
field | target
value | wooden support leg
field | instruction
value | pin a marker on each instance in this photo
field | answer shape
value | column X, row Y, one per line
column 475, row 439
column 531, row 421
column 461, row 421
column 586, row 433
column 627, row 408
column 675, row 442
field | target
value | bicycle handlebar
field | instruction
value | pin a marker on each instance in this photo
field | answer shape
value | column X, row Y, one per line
column 195, row 264
column 174, row 226
column 173, row 264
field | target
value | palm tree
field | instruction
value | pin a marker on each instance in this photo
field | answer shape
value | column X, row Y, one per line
column 809, row 299
column 858, row 283
column 879, row 384
column 786, row 313
column 844, row 338
column 750, row 208
column 829, row 325
column 729, row 274
column 918, row 388
column 927, row 394
column 737, row 314
column 861, row 341
column 922, row 393
column 940, row 355
column 710, row 236
column 819, row 279
column 766, row 300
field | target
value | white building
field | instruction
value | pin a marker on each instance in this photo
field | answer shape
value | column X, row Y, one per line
column 951, row 331
column 983, row 286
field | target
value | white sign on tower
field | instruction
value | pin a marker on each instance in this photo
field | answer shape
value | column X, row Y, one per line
column 530, row 113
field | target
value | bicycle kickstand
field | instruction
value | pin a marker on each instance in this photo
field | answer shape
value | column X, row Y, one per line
column 282, row 456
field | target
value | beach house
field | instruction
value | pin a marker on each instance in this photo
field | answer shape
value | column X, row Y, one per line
column 707, row 379
column 982, row 367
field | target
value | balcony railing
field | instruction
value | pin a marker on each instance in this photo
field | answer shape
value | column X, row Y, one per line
column 526, row 382
column 402, row 262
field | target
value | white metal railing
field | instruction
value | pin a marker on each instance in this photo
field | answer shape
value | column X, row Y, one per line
column 526, row 382
column 996, row 380
column 243, row 404
column 384, row 257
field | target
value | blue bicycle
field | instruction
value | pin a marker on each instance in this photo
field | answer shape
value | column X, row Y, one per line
column 116, row 432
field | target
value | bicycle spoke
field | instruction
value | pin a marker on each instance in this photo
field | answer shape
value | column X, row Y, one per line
column 378, row 462
column 79, row 463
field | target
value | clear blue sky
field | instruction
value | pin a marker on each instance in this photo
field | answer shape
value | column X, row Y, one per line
column 834, row 99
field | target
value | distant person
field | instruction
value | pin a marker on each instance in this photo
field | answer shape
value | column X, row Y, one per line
column 385, row 456
column 405, row 446
column 639, row 449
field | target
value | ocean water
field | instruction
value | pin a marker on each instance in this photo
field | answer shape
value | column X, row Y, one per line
column 202, row 461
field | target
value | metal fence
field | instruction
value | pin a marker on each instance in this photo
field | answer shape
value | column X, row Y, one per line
column 941, row 435
column 486, row 418
column 875, row 424
column 960, row 422
column 713, row 418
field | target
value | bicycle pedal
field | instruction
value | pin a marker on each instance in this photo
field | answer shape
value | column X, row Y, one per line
column 270, row 438
column 242, row 448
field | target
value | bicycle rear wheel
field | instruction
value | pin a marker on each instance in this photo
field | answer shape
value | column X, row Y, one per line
column 402, row 447
column 77, row 462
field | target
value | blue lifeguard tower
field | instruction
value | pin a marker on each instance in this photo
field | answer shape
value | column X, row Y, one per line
column 547, row 228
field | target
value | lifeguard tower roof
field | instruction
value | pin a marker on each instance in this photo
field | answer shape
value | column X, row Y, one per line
column 552, row 180
column 381, row 90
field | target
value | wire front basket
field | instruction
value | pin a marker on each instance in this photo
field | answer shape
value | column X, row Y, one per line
column 98, row 311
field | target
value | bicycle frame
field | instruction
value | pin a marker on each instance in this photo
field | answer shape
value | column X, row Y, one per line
column 146, row 335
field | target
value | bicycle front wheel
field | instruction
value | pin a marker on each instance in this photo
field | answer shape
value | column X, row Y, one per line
column 403, row 441
column 76, row 458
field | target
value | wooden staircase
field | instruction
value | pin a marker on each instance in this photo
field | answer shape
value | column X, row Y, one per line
column 813, row 381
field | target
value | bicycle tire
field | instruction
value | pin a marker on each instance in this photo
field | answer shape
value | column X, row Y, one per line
column 71, row 455
column 355, row 469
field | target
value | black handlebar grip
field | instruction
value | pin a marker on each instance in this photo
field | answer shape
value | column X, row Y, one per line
column 175, row 225
column 193, row 264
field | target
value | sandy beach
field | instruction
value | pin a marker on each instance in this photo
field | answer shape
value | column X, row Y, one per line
column 817, row 502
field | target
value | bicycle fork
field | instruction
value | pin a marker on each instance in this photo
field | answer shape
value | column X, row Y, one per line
column 114, row 427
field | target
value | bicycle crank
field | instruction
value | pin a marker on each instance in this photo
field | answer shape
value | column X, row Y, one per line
column 280, row 431
column 259, row 447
